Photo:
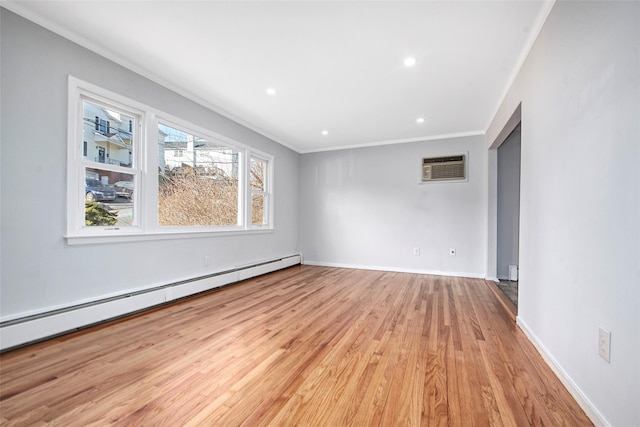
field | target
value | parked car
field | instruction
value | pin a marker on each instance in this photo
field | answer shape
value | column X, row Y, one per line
column 96, row 190
column 124, row 189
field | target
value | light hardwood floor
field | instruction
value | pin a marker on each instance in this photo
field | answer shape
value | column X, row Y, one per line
column 307, row 346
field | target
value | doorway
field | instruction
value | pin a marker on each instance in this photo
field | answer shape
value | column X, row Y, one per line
column 508, row 214
column 101, row 155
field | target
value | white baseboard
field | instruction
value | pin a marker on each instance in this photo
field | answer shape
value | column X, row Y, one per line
column 396, row 270
column 594, row 415
column 19, row 331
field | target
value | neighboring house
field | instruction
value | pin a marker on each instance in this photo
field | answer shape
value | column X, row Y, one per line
column 107, row 136
column 181, row 150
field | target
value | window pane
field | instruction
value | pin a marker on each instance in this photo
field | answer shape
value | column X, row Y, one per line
column 107, row 135
column 257, row 209
column 108, row 198
column 198, row 180
column 258, row 168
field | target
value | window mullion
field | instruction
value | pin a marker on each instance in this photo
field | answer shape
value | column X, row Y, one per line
column 149, row 177
column 245, row 191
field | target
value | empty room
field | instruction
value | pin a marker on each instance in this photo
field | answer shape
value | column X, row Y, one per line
column 320, row 213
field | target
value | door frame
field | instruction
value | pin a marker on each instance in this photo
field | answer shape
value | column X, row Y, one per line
column 492, row 169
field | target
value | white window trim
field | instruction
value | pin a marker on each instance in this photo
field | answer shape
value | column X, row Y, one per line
column 144, row 167
column 78, row 92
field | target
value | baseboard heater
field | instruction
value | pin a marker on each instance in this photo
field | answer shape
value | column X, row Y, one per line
column 37, row 327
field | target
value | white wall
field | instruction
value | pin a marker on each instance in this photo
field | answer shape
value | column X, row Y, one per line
column 39, row 270
column 580, row 200
column 365, row 208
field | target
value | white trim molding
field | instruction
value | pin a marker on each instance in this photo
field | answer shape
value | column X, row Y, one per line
column 396, row 269
column 580, row 397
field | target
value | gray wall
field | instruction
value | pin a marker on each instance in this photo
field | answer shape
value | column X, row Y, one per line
column 365, row 208
column 39, row 270
column 580, row 199
column 508, row 203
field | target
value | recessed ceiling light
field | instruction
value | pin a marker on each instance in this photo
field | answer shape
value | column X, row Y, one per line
column 410, row 61
column 325, row 132
column 271, row 91
column 419, row 120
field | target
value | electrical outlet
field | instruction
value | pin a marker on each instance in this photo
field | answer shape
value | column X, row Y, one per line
column 416, row 251
column 452, row 251
column 207, row 260
column 604, row 344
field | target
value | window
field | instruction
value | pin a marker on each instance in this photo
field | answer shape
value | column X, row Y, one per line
column 105, row 165
column 112, row 144
column 101, row 126
column 199, row 187
column 137, row 173
column 259, row 191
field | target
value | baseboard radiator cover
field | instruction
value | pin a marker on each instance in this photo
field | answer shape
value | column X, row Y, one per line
column 29, row 329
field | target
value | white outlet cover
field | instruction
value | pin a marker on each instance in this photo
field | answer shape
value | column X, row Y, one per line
column 604, row 344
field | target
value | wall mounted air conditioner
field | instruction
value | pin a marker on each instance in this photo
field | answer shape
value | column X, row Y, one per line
column 443, row 168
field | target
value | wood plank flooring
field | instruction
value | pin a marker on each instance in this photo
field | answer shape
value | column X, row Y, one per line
column 306, row 346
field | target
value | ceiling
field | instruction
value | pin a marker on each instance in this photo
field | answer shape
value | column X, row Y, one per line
column 335, row 66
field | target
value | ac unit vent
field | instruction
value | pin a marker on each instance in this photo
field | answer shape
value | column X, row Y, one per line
column 443, row 168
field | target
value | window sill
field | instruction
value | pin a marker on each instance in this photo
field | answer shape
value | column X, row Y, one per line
column 166, row 235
